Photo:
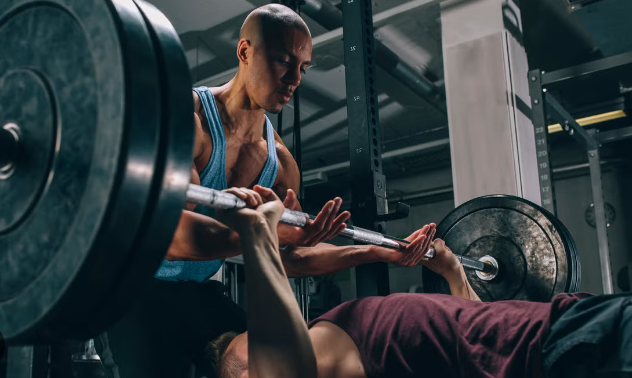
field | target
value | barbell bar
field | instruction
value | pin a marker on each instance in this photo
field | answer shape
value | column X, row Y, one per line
column 216, row 199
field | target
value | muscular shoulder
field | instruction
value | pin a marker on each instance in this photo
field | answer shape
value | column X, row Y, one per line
column 197, row 102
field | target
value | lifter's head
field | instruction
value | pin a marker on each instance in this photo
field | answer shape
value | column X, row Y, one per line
column 228, row 355
column 274, row 50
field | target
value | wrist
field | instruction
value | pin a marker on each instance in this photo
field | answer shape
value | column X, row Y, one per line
column 374, row 253
column 456, row 278
column 459, row 286
column 253, row 230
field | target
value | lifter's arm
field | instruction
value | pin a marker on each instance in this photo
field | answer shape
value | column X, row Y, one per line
column 460, row 287
column 278, row 341
column 447, row 265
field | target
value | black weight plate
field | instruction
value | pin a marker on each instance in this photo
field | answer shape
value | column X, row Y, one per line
column 172, row 169
column 64, row 242
column 531, row 251
column 574, row 266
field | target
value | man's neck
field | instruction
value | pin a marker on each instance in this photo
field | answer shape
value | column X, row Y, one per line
column 240, row 116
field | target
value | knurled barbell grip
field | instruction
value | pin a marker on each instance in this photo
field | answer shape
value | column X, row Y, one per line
column 216, row 199
column 466, row 262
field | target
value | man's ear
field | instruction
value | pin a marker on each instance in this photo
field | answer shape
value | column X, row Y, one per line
column 243, row 48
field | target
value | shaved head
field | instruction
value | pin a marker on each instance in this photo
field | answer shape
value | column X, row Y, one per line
column 274, row 51
column 266, row 22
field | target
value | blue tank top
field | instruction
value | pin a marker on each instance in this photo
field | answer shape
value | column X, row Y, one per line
column 214, row 177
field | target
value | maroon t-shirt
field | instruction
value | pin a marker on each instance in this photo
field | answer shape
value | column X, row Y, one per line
column 436, row 335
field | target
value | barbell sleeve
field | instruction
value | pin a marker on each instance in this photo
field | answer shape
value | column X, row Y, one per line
column 200, row 195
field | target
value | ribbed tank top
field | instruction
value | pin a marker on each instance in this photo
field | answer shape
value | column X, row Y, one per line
column 214, row 176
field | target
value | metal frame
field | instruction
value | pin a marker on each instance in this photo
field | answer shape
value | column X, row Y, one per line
column 540, row 125
column 543, row 102
column 591, row 145
column 368, row 183
column 614, row 135
column 586, row 69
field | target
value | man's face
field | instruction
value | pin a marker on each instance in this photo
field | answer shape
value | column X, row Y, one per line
column 276, row 68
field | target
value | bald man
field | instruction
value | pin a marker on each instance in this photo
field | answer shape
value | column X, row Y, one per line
column 237, row 148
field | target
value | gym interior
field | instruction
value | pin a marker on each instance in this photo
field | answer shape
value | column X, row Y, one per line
column 437, row 111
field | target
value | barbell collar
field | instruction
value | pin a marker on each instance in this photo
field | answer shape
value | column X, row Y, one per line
column 491, row 272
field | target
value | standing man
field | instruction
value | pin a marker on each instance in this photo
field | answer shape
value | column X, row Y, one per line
column 235, row 147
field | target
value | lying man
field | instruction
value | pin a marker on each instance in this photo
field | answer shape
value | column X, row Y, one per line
column 415, row 335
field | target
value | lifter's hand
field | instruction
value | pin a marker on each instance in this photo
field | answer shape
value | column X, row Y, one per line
column 412, row 253
column 448, row 266
column 246, row 221
column 251, row 197
column 324, row 227
column 444, row 262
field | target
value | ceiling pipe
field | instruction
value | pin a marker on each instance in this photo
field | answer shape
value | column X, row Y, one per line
column 330, row 17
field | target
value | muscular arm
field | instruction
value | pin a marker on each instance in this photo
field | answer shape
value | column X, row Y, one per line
column 460, row 286
column 198, row 237
column 326, row 258
column 278, row 339
column 323, row 258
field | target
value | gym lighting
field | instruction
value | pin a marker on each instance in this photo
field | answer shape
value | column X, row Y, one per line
column 609, row 116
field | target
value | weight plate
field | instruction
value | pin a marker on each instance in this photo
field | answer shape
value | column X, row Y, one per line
column 91, row 70
column 172, row 169
column 573, row 255
column 531, row 246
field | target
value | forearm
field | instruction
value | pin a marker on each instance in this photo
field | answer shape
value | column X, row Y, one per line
column 327, row 258
column 460, row 286
column 278, row 340
column 199, row 237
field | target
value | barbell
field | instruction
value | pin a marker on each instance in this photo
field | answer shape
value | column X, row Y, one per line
column 216, row 199
column 96, row 141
